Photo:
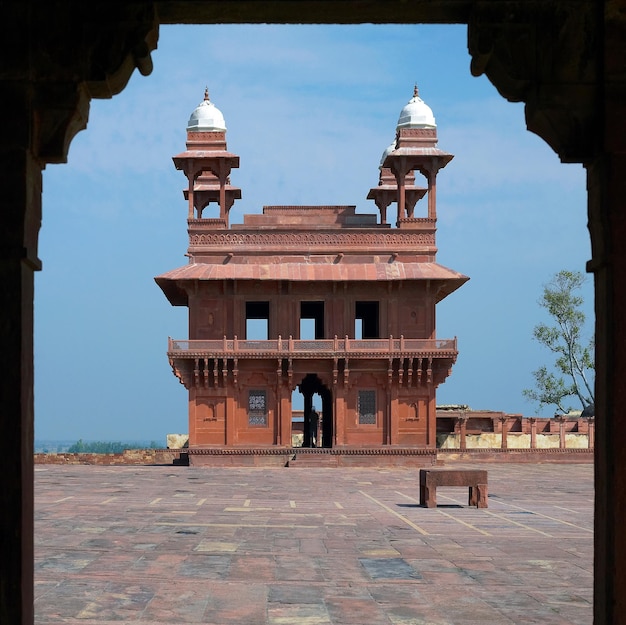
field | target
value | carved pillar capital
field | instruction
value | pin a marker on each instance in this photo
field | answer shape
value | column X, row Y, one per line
column 544, row 54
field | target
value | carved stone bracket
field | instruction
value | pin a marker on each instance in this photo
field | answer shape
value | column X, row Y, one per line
column 180, row 373
column 92, row 56
column 543, row 54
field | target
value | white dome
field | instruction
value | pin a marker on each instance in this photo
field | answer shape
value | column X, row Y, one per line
column 206, row 117
column 386, row 153
column 416, row 114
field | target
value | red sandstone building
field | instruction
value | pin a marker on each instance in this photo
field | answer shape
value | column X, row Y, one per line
column 368, row 290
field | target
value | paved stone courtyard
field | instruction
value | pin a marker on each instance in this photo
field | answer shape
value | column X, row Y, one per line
column 255, row 546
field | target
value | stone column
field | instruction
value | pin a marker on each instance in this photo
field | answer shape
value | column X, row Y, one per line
column 431, row 422
column 606, row 184
column 591, row 430
column 278, row 418
column 19, row 225
column 339, row 425
column 561, row 421
column 533, row 432
column 394, row 422
column 462, row 421
column 48, row 55
column 308, row 406
column 286, row 415
column 20, row 219
column 230, row 414
column 579, row 107
column 503, row 422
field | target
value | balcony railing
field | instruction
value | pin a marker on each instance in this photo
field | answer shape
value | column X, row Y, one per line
column 323, row 348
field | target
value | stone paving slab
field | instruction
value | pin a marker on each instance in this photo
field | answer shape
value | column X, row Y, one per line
column 320, row 546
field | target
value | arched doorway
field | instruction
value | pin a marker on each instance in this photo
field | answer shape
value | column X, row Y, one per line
column 604, row 193
column 311, row 385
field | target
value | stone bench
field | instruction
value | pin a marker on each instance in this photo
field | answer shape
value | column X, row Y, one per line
column 475, row 479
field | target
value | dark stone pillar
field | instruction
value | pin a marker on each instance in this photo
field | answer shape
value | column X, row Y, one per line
column 462, row 421
column 20, row 216
column 53, row 59
column 577, row 103
column 327, row 419
column 607, row 202
column 308, row 407
column 606, row 187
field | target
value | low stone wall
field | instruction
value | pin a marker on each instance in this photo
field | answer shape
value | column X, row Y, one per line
column 128, row 457
column 313, row 457
column 525, row 456
column 363, row 458
column 514, row 440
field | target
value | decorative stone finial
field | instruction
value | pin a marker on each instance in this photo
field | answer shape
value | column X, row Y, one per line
column 206, row 94
column 415, row 91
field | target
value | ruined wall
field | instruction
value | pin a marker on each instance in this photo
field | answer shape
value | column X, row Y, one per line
column 128, row 457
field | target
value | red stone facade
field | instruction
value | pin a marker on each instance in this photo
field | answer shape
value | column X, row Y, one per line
column 369, row 290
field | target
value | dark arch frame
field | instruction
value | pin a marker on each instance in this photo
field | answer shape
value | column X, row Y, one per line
column 566, row 59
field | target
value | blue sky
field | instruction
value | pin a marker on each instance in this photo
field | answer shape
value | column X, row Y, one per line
column 309, row 110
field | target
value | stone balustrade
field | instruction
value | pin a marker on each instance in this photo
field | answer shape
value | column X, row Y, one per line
column 323, row 348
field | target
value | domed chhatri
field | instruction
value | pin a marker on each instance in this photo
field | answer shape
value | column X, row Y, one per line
column 206, row 117
column 388, row 150
column 415, row 150
column 416, row 114
column 207, row 163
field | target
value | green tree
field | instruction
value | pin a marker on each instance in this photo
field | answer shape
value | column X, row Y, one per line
column 101, row 447
column 572, row 374
column 77, row 448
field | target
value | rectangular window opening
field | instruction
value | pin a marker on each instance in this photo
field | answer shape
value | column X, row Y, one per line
column 366, row 323
column 312, row 320
column 257, row 321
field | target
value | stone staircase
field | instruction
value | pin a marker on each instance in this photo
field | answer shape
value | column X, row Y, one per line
column 313, row 460
column 182, row 460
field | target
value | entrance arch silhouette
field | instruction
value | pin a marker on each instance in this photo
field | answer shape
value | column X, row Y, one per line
column 310, row 385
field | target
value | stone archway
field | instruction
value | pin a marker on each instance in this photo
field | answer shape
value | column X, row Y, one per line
column 565, row 59
column 311, row 384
